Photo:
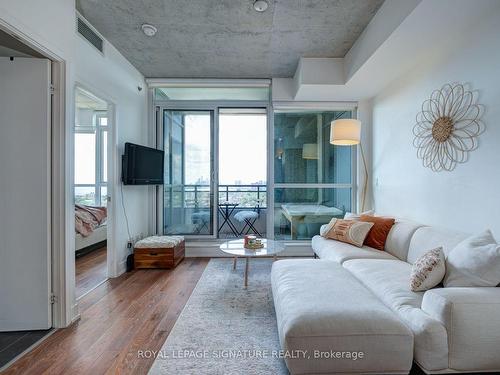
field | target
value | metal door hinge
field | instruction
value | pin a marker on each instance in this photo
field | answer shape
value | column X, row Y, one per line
column 53, row 298
column 52, row 89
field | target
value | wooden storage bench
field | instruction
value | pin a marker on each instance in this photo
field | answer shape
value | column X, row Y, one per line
column 159, row 252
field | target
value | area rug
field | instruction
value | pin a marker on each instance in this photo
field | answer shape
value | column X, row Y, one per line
column 224, row 328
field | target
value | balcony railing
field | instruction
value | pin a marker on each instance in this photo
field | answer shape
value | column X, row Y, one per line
column 198, row 196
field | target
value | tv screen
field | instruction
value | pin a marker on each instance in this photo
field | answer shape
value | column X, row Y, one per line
column 142, row 165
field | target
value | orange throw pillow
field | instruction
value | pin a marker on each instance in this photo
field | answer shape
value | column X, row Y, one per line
column 378, row 234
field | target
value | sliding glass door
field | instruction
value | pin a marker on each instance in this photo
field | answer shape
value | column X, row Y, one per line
column 188, row 189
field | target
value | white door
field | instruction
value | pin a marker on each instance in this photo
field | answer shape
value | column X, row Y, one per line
column 25, row 194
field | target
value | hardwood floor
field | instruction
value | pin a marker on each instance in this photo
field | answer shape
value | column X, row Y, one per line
column 135, row 311
column 90, row 271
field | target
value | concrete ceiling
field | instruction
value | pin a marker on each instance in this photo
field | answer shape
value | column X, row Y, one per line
column 228, row 38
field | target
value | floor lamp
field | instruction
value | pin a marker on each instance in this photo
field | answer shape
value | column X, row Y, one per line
column 347, row 132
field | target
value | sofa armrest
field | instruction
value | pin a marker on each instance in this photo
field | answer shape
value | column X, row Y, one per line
column 472, row 320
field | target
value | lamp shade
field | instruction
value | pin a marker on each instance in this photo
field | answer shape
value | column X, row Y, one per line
column 310, row 151
column 345, row 132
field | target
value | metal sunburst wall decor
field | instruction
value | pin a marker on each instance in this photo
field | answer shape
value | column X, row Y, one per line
column 447, row 127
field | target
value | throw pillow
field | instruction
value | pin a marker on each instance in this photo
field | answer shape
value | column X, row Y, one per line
column 474, row 262
column 349, row 231
column 378, row 234
column 428, row 271
column 353, row 216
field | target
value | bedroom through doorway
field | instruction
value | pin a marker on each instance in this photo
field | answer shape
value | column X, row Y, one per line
column 90, row 191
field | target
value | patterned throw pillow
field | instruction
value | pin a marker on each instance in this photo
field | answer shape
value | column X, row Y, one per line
column 428, row 271
column 349, row 231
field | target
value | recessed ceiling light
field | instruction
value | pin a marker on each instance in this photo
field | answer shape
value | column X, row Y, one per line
column 260, row 5
column 148, row 29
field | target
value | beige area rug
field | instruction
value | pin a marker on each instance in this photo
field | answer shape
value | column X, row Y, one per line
column 224, row 328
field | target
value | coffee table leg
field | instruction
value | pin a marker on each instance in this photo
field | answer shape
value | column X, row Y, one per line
column 246, row 271
column 234, row 263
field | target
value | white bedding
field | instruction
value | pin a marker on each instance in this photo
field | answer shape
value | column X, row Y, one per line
column 310, row 210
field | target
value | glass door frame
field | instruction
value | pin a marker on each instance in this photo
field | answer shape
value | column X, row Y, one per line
column 197, row 105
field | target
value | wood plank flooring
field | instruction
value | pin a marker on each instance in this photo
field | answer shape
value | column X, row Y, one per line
column 135, row 311
column 90, row 270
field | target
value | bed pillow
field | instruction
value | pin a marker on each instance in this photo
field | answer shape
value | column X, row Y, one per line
column 378, row 234
column 474, row 262
column 350, row 231
column 428, row 270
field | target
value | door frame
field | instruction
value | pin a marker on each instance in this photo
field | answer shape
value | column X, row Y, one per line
column 60, row 279
column 205, row 105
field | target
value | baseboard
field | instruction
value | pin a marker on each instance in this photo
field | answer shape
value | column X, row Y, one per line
column 90, row 248
column 122, row 268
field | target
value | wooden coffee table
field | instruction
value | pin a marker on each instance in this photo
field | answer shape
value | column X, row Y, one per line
column 236, row 249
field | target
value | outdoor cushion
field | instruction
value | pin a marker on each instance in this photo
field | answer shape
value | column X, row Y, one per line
column 246, row 215
column 341, row 251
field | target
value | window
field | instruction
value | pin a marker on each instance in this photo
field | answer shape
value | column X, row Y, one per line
column 91, row 137
column 312, row 178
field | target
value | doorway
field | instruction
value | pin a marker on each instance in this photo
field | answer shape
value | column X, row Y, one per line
column 26, row 197
column 91, row 155
column 215, row 171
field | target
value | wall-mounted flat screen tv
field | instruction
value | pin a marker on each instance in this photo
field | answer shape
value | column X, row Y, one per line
column 142, row 165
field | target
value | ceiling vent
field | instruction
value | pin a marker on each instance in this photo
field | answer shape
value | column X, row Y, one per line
column 89, row 33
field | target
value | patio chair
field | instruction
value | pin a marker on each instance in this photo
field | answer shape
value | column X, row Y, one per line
column 201, row 219
column 249, row 217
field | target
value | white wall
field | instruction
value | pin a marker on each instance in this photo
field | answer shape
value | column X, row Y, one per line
column 51, row 24
column 467, row 198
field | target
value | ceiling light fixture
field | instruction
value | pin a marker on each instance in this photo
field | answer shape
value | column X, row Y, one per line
column 149, row 30
column 260, row 5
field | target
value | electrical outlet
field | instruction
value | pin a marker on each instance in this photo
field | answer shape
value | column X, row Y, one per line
column 129, row 244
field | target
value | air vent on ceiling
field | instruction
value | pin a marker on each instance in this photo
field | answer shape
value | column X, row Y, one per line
column 85, row 30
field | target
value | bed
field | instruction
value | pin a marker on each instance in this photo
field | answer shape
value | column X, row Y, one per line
column 312, row 214
column 90, row 228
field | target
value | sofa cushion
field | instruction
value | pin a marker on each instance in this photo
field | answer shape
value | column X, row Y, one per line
column 321, row 307
column 398, row 240
column 428, row 238
column 389, row 280
column 340, row 251
column 474, row 262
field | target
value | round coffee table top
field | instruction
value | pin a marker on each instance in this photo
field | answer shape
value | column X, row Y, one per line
column 236, row 247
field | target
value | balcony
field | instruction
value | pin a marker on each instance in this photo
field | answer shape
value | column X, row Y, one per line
column 192, row 203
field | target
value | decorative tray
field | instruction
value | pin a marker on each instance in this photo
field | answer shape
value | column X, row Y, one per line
column 254, row 246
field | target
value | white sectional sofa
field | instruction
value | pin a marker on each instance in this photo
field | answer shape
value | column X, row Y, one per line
column 454, row 329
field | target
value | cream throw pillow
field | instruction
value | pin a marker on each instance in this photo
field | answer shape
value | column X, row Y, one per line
column 474, row 262
column 353, row 216
column 428, row 271
column 349, row 231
